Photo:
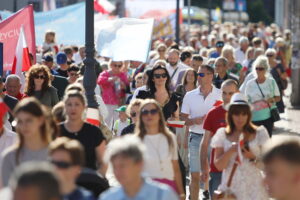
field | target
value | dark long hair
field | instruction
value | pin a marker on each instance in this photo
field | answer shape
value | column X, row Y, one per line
column 249, row 128
column 33, row 71
column 140, row 129
column 32, row 106
column 151, row 84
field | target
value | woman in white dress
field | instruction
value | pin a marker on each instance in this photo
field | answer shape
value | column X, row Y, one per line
column 241, row 142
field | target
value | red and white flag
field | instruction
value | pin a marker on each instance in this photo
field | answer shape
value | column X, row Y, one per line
column 3, row 110
column 21, row 61
column 10, row 28
column 104, row 6
column 93, row 116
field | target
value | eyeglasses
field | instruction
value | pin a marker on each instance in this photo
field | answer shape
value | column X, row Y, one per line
column 270, row 55
column 152, row 112
column 61, row 164
column 203, row 74
column 260, row 69
column 133, row 114
column 157, row 76
column 39, row 77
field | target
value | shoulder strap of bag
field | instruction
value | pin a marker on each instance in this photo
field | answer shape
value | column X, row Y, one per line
column 262, row 92
column 174, row 73
column 232, row 173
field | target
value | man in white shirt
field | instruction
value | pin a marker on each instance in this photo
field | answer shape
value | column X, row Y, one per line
column 174, row 67
column 240, row 53
column 196, row 105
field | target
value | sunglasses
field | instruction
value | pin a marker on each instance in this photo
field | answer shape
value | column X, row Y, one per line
column 119, row 66
column 270, row 55
column 39, row 77
column 152, row 112
column 161, row 50
column 203, row 74
column 133, row 114
column 160, row 75
column 61, row 164
column 219, row 45
column 260, row 69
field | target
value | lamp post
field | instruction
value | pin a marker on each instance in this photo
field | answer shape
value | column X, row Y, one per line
column 177, row 22
column 89, row 78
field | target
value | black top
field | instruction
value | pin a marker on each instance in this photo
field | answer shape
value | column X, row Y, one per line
column 90, row 137
column 10, row 101
column 275, row 73
column 60, row 83
column 79, row 194
column 61, row 72
column 128, row 129
column 218, row 81
column 169, row 108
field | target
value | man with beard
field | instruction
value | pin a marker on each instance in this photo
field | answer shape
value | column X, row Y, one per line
column 174, row 67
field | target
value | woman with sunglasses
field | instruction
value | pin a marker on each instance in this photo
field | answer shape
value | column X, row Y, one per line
column 38, row 85
column 158, row 89
column 113, row 83
column 162, row 158
column 279, row 74
column 88, row 135
column 263, row 93
column 133, row 110
column 238, row 148
column 34, row 134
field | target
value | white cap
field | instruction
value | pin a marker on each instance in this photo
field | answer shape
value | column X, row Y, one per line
column 238, row 99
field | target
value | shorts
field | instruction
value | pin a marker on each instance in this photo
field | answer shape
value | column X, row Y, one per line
column 194, row 151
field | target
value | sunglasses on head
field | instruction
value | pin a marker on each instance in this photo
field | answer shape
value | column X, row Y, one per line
column 61, row 164
column 133, row 114
column 260, row 69
column 39, row 77
column 152, row 112
column 160, row 75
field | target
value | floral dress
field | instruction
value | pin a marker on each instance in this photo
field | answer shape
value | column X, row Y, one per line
column 247, row 180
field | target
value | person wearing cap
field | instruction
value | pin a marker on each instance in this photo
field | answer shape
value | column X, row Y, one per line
column 219, row 47
column 239, row 144
column 240, row 53
column 48, row 61
column 214, row 120
column 61, row 60
column 122, row 122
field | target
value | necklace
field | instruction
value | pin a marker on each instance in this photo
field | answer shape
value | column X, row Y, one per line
column 157, row 152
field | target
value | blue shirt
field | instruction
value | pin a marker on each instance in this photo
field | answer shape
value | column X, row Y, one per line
column 79, row 194
column 149, row 191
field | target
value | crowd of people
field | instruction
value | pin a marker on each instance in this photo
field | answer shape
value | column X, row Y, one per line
column 200, row 113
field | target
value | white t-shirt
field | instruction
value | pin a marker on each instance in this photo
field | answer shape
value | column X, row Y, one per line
column 119, row 126
column 171, row 70
column 158, row 158
column 195, row 105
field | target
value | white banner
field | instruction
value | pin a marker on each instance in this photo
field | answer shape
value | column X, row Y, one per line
column 124, row 39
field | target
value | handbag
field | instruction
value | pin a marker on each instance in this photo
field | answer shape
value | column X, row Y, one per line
column 227, row 194
column 274, row 111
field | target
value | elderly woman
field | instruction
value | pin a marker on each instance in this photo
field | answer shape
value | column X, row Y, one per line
column 279, row 74
column 113, row 84
column 263, row 93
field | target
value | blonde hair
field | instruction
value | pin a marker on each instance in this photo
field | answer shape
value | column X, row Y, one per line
column 226, row 50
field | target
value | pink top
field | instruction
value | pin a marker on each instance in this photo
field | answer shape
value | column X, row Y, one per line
column 108, row 91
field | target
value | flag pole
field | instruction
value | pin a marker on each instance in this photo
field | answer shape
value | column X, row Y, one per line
column 177, row 22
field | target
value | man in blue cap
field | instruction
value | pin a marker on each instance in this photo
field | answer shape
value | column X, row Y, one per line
column 61, row 60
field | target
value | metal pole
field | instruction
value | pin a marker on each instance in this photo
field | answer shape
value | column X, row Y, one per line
column 177, row 22
column 295, row 29
column 89, row 79
column 209, row 15
column 189, row 22
column 15, row 6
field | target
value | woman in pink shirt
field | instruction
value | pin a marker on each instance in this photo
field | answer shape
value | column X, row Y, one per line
column 113, row 84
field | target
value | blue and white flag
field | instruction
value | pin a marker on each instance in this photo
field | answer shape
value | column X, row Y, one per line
column 124, row 39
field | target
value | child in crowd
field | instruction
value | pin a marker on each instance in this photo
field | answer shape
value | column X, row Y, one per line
column 122, row 122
